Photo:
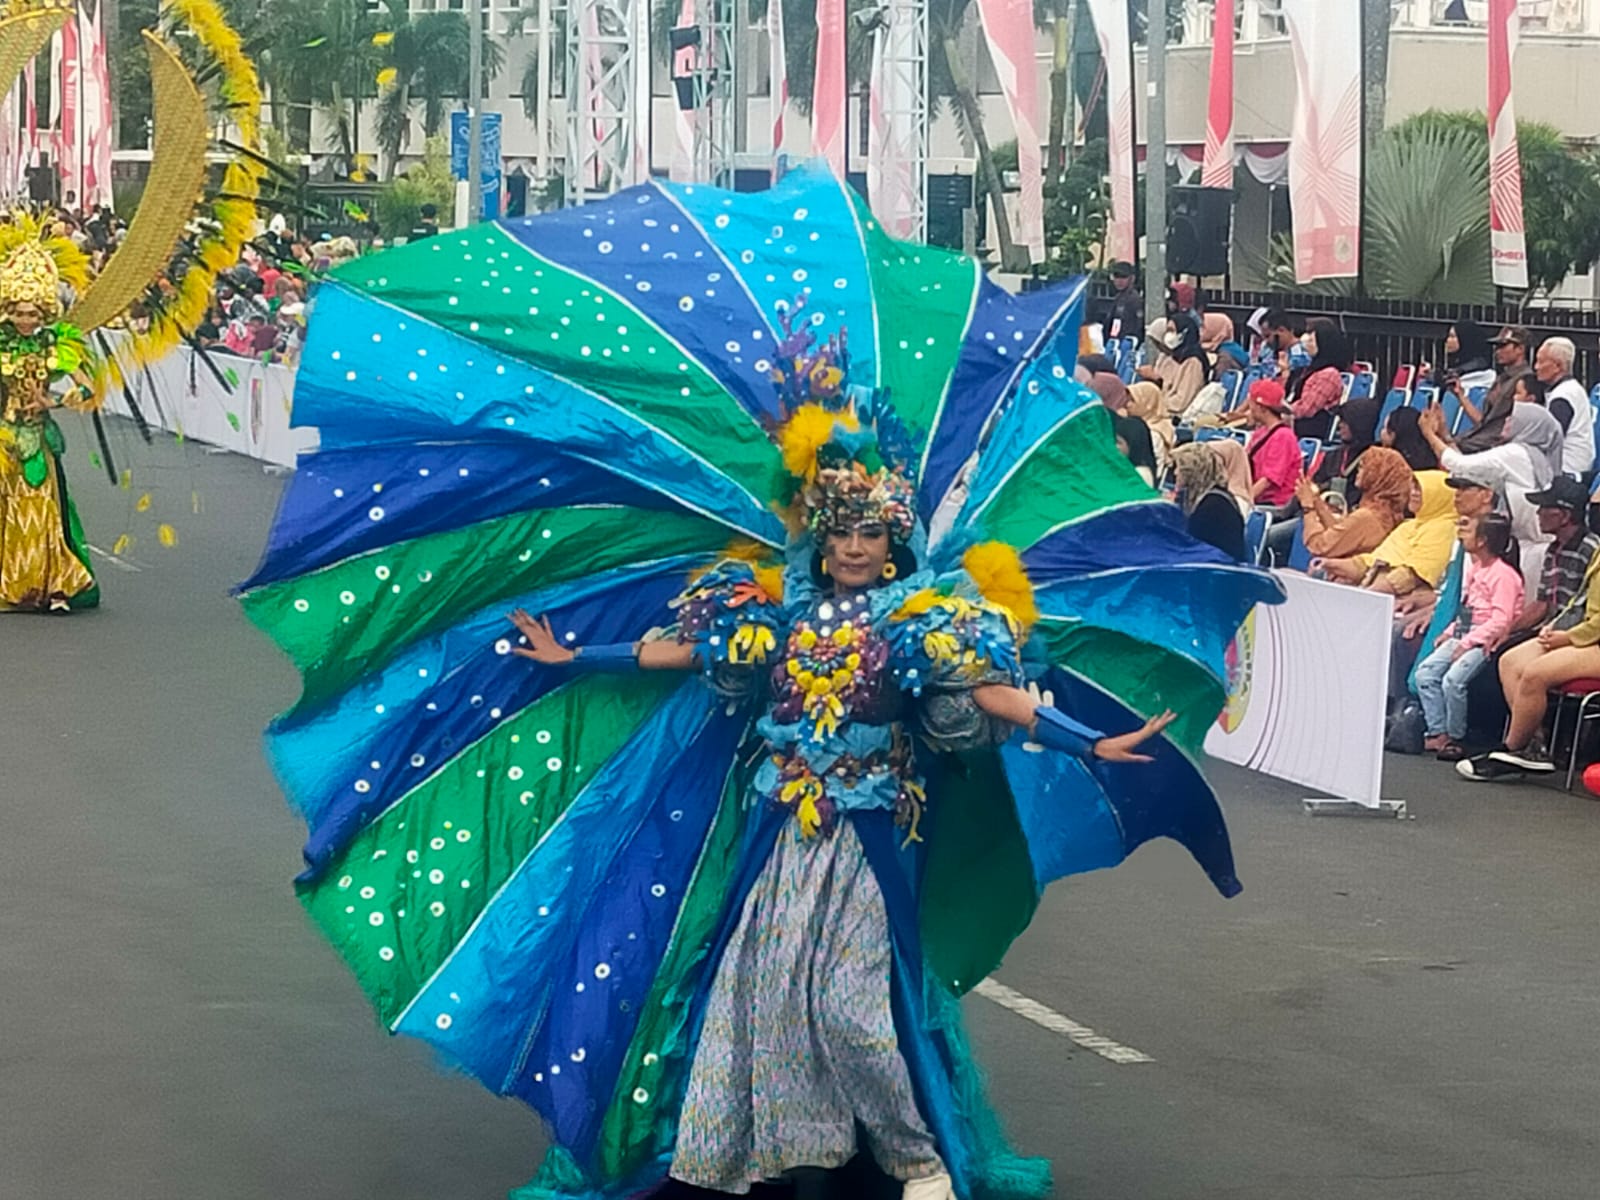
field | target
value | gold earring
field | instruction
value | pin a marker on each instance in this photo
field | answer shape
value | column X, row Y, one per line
column 890, row 570
column 825, row 570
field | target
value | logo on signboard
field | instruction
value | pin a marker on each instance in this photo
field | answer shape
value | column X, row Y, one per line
column 1240, row 661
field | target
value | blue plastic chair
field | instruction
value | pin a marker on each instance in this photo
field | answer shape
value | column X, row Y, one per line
column 1299, row 556
column 1310, row 452
column 1255, row 535
column 1363, row 386
column 1232, row 389
column 1395, row 400
column 1451, row 403
column 1211, row 434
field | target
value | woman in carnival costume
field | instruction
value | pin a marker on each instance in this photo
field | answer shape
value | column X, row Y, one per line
column 861, row 664
column 702, row 872
column 44, row 564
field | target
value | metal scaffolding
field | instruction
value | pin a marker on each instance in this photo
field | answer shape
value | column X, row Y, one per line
column 718, row 89
column 608, row 97
column 904, row 113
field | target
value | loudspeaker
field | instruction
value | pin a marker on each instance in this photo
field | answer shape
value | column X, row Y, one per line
column 44, row 185
column 1201, row 231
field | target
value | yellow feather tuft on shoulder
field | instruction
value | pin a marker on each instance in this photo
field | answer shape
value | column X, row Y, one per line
column 806, row 432
column 998, row 571
column 768, row 574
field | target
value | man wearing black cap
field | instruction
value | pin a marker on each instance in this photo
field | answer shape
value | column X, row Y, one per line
column 1557, row 605
column 1125, row 318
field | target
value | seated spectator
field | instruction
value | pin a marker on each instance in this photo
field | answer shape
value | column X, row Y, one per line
column 1357, row 430
column 1413, row 557
column 1236, row 473
column 1488, row 423
column 1180, row 361
column 1556, row 656
column 1277, row 350
column 1385, row 486
column 1273, row 449
column 1133, row 441
column 1112, row 391
column 1468, row 360
column 1525, row 462
column 1402, row 433
column 1568, row 402
column 1215, row 327
column 1491, row 598
column 1561, row 509
column 1526, row 389
column 1145, row 403
column 1318, row 388
column 1208, row 403
column 1212, row 511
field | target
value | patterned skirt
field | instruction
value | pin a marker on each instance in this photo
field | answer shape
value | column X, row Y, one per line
column 38, row 568
column 799, row 1043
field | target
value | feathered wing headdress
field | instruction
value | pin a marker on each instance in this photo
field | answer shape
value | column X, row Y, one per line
column 34, row 266
column 185, row 232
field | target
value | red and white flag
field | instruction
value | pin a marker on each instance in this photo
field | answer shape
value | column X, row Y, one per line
column 30, row 115
column 95, row 121
column 1218, row 169
column 1325, row 145
column 828, row 94
column 1111, row 24
column 779, row 63
column 1507, row 238
column 1008, row 24
column 686, row 112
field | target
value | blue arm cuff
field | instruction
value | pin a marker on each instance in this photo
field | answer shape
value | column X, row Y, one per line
column 1057, row 731
column 619, row 659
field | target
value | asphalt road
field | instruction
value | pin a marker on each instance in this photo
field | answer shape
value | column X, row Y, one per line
column 1392, row 1009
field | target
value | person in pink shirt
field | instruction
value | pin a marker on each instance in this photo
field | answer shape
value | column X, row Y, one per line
column 1491, row 599
column 1273, row 449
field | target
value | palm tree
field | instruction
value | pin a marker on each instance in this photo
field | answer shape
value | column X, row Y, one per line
column 334, row 67
column 430, row 57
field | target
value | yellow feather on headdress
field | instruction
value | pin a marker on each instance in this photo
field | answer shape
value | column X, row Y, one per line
column 998, row 571
column 806, row 432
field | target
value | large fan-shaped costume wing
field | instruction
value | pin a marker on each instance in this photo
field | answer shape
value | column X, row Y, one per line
column 573, row 414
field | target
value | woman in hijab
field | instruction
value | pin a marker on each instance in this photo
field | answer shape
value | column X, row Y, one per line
column 1112, row 391
column 1385, row 481
column 1316, row 390
column 1357, row 429
column 1414, row 556
column 1145, row 403
column 1179, row 361
column 1236, row 472
column 1402, row 434
column 1213, row 513
column 1526, row 461
column 1468, row 355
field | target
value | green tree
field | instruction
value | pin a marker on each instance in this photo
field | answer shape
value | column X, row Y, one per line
column 1560, row 193
column 399, row 204
column 430, row 56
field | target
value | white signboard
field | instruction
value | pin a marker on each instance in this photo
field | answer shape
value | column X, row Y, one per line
column 1307, row 683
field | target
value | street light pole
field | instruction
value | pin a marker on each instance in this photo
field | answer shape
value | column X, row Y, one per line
column 1155, row 162
column 475, row 113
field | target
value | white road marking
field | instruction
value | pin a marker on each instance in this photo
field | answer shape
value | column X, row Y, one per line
column 1048, row 1018
column 113, row 559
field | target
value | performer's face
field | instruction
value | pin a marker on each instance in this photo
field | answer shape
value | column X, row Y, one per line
column 26, row 318
column 856, row 556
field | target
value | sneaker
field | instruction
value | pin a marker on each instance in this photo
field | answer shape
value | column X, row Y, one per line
column 1485, row 769
column 1533, row 758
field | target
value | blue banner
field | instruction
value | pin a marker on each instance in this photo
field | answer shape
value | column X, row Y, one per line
column 460, row 135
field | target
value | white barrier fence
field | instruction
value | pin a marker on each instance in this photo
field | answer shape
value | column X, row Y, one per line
column 249, row 415
column 1308, row 681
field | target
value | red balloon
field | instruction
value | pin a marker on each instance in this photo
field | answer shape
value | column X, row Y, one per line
column 1591, row 778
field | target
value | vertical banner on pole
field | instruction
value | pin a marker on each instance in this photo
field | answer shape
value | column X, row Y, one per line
column 1116, row 48
column 1008, row 25
column 1325, row 145
column 685, row 82
column 1507, row 239
column 828, row 96
column 96, row 119
column 30, row 115
column 57, row 69
column 1218, row 169
column 779, row 63
column 71, row 113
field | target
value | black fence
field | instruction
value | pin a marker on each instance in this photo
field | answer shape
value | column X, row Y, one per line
column 1393, row 333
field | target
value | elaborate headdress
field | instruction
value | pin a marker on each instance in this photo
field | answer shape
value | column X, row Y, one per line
column 847, row 475
column 29, row 276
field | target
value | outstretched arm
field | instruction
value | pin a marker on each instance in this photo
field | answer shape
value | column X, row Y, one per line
column 1021, row 709
column 544, row 647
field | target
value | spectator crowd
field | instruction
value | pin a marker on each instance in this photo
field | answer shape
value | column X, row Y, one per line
column 1464, row 494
